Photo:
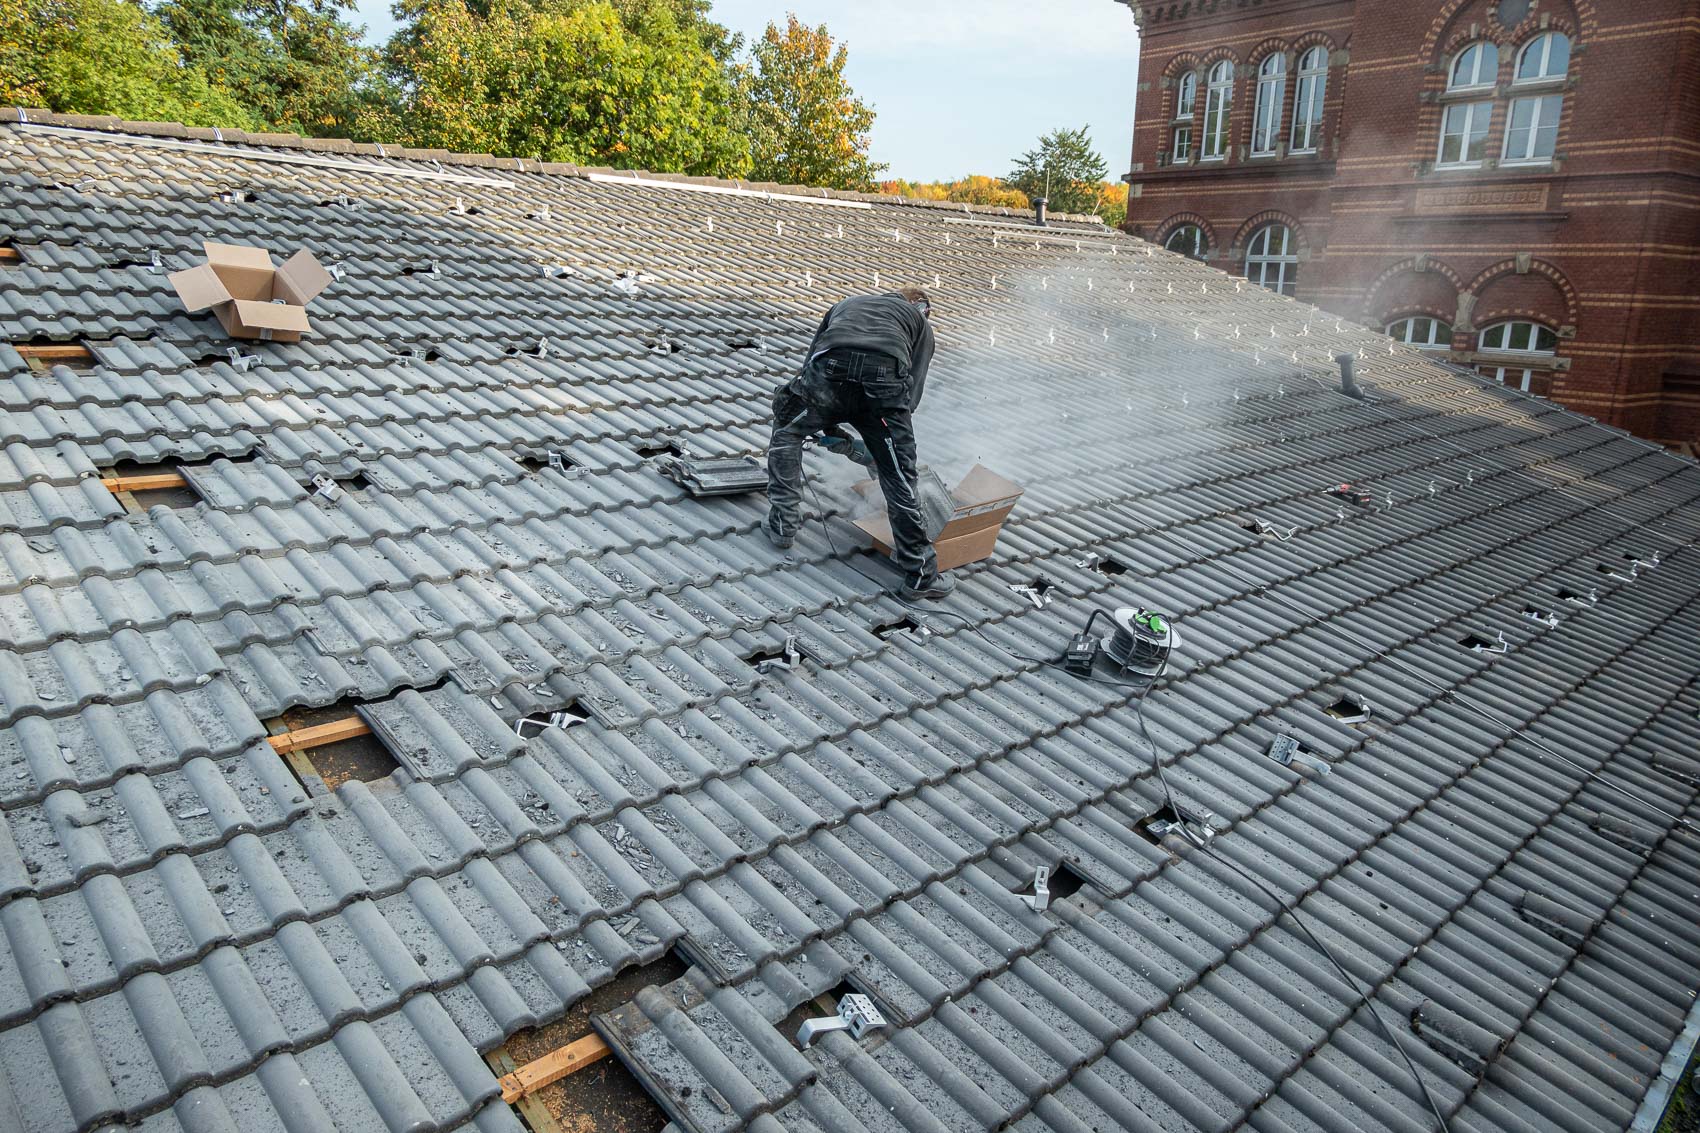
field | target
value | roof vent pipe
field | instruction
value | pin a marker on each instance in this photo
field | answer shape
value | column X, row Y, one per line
column 1348, row 385
column 1039, row 206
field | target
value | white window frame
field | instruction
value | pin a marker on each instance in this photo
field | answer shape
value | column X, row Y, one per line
column 1280, row 268
column 1186, row 97
column 1308, row 102
column 1506, row 328
column 1477, row 81
column 1404, row 330
column 1545, row 111
column 1266, row 114
column 1545, row 42
column 1200, row 249
column 1218, row 100
column 1509, row 376
column 1525, row 362
column 1180, row 148
column 1474, row 114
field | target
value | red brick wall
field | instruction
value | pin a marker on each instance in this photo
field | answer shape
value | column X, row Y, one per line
column 1602, row 244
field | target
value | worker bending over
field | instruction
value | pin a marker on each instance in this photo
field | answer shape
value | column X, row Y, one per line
column 866, row 368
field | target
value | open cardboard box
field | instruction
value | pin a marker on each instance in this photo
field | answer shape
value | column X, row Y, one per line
column 980, row 503
column 251, row 298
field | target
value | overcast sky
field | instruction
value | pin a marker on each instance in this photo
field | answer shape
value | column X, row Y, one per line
column 961, row 86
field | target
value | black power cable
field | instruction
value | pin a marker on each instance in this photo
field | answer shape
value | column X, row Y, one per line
column 1197, row 840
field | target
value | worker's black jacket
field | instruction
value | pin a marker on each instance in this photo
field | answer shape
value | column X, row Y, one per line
column 881, row 324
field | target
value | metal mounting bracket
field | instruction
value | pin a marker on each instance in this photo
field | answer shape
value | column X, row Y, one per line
column 1041, row 898
column 856, row 1014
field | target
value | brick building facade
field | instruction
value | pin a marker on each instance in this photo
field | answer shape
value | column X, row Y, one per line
column 1516, row 182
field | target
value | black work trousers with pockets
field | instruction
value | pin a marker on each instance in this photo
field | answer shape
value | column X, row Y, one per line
column 865, row 391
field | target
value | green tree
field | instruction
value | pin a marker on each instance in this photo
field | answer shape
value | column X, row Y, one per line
column 105, row 57
column 1065, row 158
column 298, row 64
column 806, row 125
column 568, row 81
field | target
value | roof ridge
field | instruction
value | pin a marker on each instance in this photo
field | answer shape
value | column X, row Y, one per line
column 112, row 124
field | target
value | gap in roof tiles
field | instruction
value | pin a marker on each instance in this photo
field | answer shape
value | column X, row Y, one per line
column 651, row 447
column 604, row 1095
column 322, row 767
column 1061, row 882
column 788, row 654
column 1348, row 709
column 548, row 711
column 1479, row 643
column 41, row 353
column 538, row 461
column 825, row 1006
column 1156, row 824
column 1105, row 564
column 901, row 624
column 333, row 484
column 139, row 487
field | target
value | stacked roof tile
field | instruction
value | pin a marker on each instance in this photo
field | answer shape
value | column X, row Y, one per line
column 1502, row 850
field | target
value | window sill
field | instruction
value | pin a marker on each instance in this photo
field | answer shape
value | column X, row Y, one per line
column 1531, row 163
column 1462, row 167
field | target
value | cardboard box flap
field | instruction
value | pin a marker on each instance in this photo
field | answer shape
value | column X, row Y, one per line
column 237, row 256
column 982, row 487
column 271, row 316
column 300, row 278
column 199, row 287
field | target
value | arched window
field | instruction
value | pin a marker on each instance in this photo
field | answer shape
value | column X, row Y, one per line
column 1531, row 348
column 1464, row 124
column 1531, row 131
column 1186, row 101
column 1475, row 66
column 1217, row 94
column 1544, row 57
column 1271, row 259
column 1307, row 101
column 1422, row 332
column 1189, row 241
column 1266, row 116
column 1188, row 96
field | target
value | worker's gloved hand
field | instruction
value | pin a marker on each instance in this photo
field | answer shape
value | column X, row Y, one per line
column 847, row 448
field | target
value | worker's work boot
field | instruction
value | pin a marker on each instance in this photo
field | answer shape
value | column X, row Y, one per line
column 926, row 589
column 783, row 542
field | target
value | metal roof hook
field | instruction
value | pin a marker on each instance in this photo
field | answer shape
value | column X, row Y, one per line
column 856, row 1014
column 239, row 361
column 1040, row 900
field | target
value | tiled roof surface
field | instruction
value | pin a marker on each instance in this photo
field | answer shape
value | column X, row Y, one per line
column 1503, row 852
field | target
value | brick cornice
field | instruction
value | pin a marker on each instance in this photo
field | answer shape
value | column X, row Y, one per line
column 1152, row 15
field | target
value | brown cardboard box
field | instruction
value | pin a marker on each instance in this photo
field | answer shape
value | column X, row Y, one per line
column 251, row 298
column 981, row 503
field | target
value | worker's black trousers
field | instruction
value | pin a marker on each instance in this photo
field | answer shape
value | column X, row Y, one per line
column 849, row 387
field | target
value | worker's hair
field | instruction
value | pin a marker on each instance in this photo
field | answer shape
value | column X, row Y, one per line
column 915, row 295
